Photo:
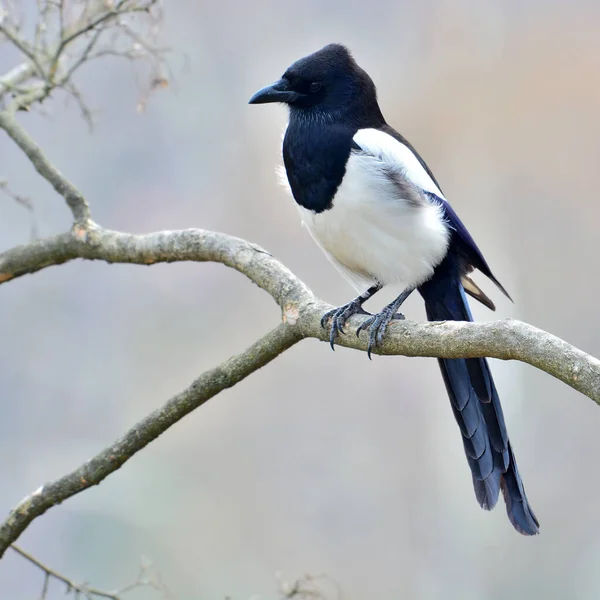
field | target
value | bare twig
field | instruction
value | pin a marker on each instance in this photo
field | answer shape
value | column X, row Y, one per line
column 20, row 43
column 86, row 112
column 23, row 201
column 83, row 57
column 77, row 203
column 307, row 588
column 66, row 37
column 147, row 577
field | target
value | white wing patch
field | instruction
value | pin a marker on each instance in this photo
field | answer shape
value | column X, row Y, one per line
column 391, row 150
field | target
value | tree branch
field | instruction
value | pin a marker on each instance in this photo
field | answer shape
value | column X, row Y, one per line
column 16, row 76
column 93, row 471
column 73, row 197
column 508, row 339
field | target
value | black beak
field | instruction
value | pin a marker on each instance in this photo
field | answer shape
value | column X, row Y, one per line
column 277, row 92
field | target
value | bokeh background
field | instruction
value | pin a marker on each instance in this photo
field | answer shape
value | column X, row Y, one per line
column 321, row 462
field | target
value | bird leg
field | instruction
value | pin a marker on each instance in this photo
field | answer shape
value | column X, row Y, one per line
column 377, row 324
column 340, row 315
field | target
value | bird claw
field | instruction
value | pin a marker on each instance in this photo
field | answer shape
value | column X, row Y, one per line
column 339, row 316
column 376, row 325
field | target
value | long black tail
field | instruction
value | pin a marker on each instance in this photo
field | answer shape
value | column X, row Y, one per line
column 477, row 409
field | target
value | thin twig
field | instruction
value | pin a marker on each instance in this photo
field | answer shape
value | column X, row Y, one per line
column 61, row 17
column 82, row 58
column 306, row 588
column 77, row 203
column 55, row 53
column 23, row 201
column 83, row 588
column 23, row 46
column 86, row 112
column 40, row 44
column 111, row 14
column 51, row 573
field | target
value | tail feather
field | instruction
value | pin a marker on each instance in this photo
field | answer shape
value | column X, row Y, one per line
column 519, row 512
column 478, row 412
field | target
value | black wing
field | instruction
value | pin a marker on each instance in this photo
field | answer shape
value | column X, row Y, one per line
column 461, row 238
column 464, row 243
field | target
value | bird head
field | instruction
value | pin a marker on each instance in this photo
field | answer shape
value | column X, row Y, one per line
column 327, row 81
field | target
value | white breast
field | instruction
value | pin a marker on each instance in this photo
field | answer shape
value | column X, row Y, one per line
column 374, row 234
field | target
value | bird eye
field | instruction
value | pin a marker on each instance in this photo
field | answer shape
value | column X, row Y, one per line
column 315, row 86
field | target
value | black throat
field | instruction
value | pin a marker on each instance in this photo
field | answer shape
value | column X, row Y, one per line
column 315, row 152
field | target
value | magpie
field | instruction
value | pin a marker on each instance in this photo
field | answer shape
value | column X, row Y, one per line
column 377, row 211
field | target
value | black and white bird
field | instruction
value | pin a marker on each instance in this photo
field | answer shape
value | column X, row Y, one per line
column 375, row 208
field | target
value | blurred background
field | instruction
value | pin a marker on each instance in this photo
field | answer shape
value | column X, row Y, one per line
column 321, row 462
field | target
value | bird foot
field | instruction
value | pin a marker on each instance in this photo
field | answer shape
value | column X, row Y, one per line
column 339, row 316
column 377, row 324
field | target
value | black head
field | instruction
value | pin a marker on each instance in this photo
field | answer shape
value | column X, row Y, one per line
column 327, row 81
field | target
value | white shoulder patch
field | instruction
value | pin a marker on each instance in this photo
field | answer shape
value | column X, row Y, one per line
column 280, row 171
column 391, row 150
column 281, row 174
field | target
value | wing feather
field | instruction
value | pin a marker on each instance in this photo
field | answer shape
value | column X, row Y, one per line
column 387, row 141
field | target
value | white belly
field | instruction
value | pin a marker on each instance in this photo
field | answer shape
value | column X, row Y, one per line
column 372, row 234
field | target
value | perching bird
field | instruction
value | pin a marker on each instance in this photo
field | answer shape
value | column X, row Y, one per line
column 375, row 208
